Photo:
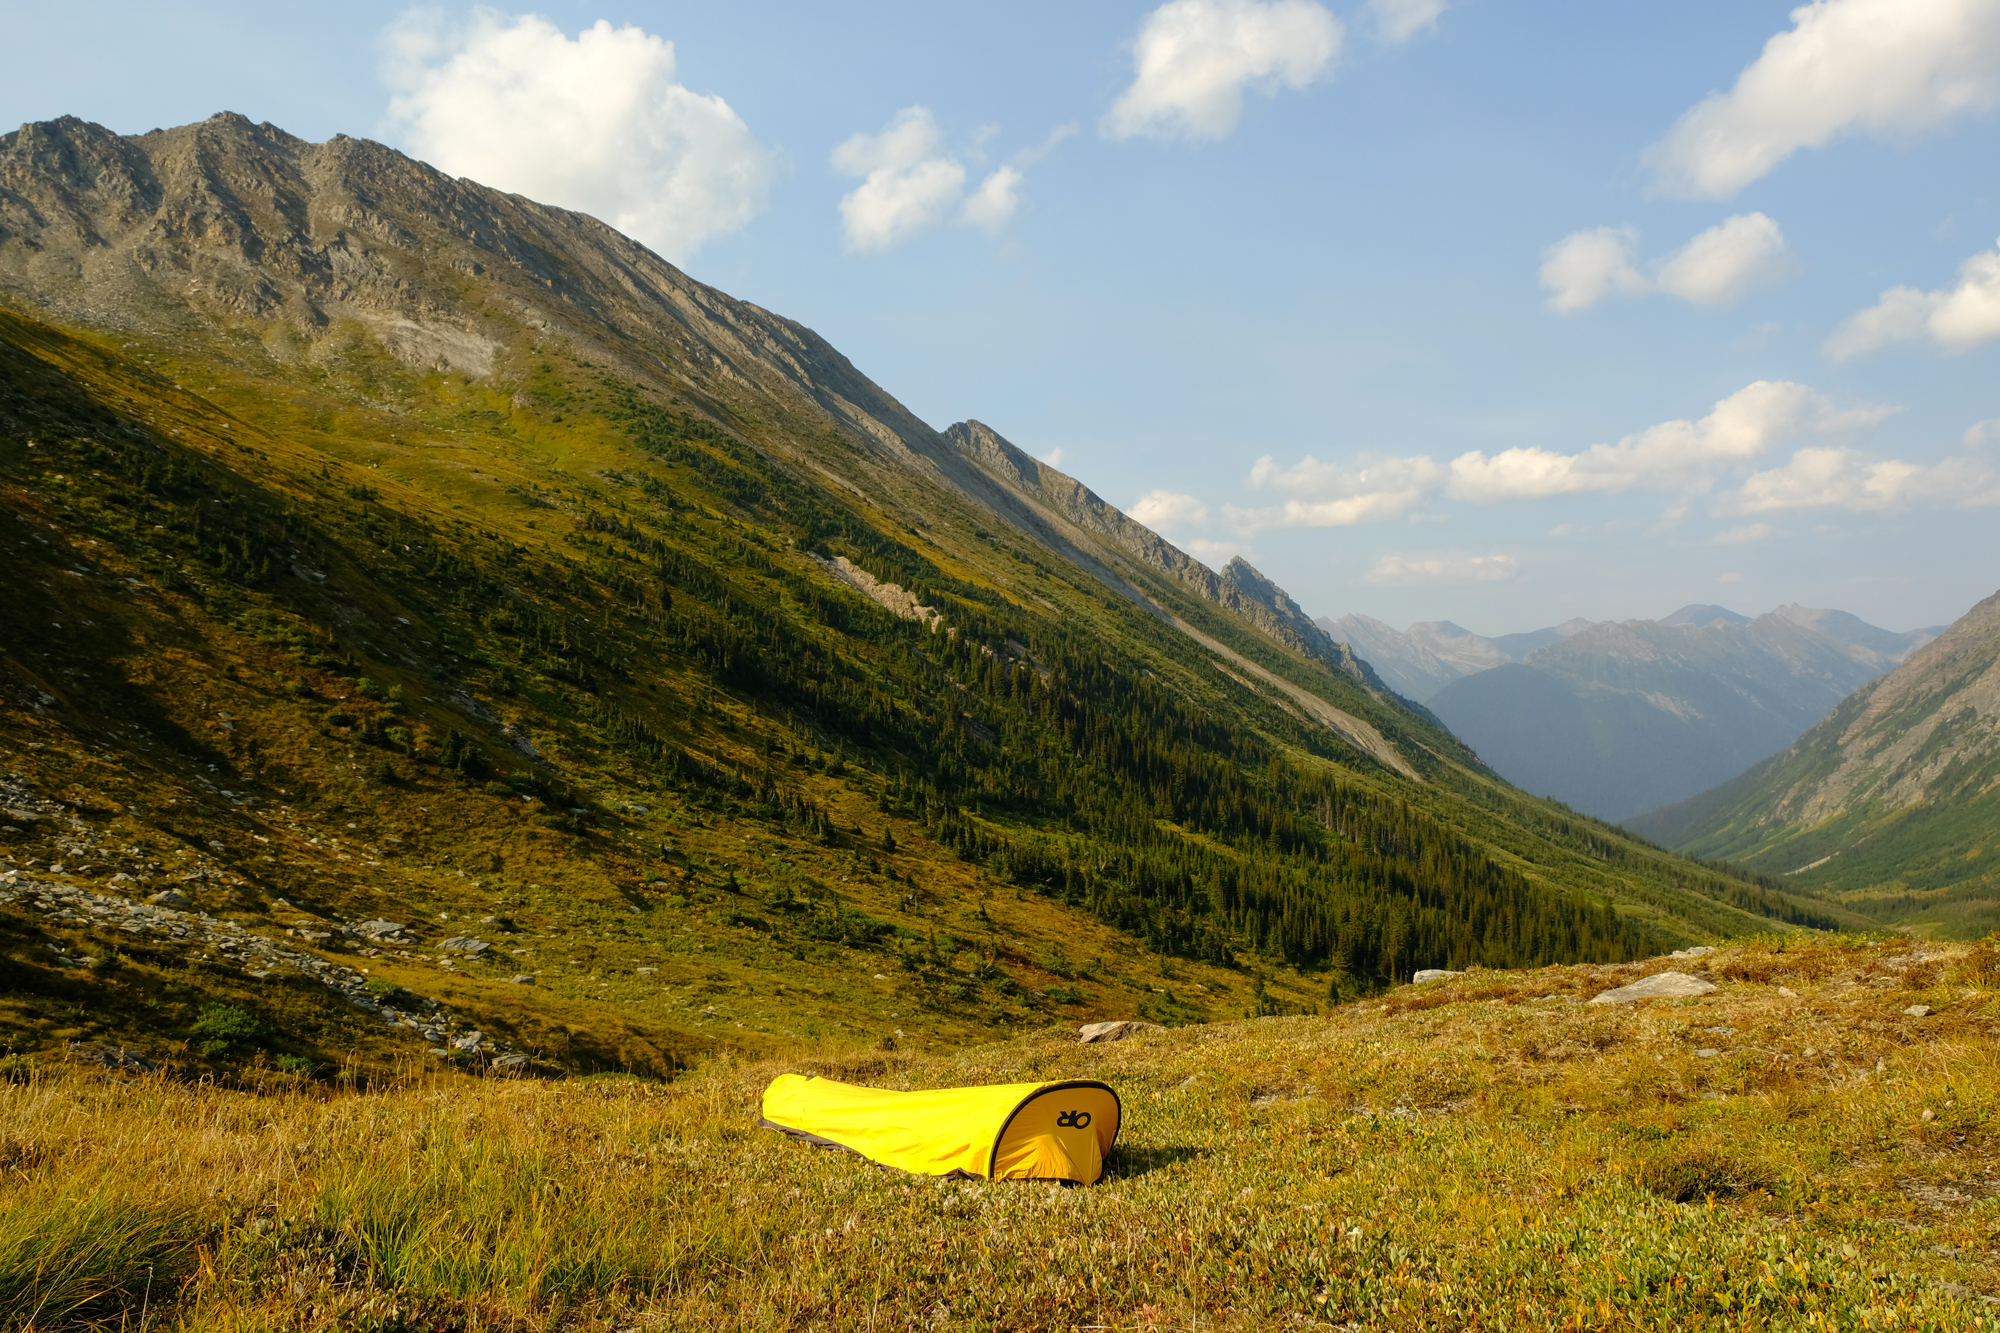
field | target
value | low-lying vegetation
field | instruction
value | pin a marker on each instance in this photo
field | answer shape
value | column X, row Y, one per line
column 1800, row 1149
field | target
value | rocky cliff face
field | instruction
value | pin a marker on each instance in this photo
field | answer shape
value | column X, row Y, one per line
column 1239, row 588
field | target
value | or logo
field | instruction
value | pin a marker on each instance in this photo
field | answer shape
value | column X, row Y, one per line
column 1073, row 1120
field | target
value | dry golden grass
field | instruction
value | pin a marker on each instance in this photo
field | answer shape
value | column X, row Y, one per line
column 1488, row 1152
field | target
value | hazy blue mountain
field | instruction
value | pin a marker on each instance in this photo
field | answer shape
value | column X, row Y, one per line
column 1891, row 803
column 1702, row 614
column 1420, row 661
column 1621, row 718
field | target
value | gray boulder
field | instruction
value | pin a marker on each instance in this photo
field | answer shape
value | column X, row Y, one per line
column 1116, row 1030
column 1659, row 986
column 111, row 1057
column 464, row 944
column 383, row 931
column 1433, row 974
column 169, row 898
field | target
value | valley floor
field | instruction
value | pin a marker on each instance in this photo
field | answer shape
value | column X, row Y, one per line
column 1799, row 1149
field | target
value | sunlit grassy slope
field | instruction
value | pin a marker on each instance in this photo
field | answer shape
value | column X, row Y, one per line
column 1792, row 1151
column 552, row 661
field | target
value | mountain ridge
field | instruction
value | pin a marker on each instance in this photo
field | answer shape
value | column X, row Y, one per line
column 406, row 507
column 1890, row 803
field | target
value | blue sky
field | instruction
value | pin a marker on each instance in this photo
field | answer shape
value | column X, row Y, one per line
column 1514, row 314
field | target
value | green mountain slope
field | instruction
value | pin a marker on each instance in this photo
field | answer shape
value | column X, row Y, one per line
column 1891, row 805
column 390, row 549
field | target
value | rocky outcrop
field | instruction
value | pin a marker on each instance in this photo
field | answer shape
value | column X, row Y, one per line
column 258, row 957
column 227, row 227
column 1659, row 986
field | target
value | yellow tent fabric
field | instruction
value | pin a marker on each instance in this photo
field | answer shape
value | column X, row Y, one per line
column 1003, row 1131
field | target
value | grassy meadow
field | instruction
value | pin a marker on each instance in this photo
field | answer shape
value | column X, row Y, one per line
column 1792, row 1151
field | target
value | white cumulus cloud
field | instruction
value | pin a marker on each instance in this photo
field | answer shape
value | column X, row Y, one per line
column 1956, row 318
column 1671, row 454
column 1681, row 455
column 1826, row 478
column 1584, row 267
column 1713, row 269
column 1723, row 262
column 596, row 123
column 1442, row 568
column 994, row 201
column 1981, row 433
column 1169, row 509
column 1193, row 59
column 1400, row 20
column 910, row 182
column 1892, row 68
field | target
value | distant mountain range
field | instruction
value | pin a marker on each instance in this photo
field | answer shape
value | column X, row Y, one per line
column 1618, row 718
column 1891, row 803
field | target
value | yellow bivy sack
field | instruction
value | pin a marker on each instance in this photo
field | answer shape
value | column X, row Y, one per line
column 1005, row 1131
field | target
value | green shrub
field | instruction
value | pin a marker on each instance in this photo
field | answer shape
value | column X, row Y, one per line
column 388, row 992
column 222, row 1027
column 293, row 1064
column 370, row 688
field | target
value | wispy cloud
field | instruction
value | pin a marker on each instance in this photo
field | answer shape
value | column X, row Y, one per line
column 1398, row 21
column 1327, row 495
column 1442, row 569
column 1743, row 536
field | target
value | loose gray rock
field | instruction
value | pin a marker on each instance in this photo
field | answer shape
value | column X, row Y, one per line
column 1433, row 974
column 381, row 931
column 1116, row 1030
column 1659, row 986
column 1696, row 952
column 522, row 979
column 514, row 1061
column 111, row 1057
column 1917, row 1010
column 169, row 898
column 465, row 944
